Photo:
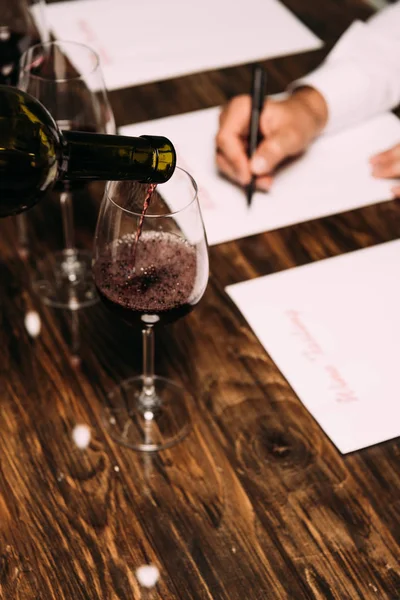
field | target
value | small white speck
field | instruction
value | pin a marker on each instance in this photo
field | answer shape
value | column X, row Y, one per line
column 23, row 252
column 4, row 34
column 147, row 575
column 75, row 360
column 60, row 477
column 81, row 436
column 33, row 323
column 148, row 415
column 373, row 587
column 73, row 304
column 150, row 319
column 112, row 420
column 116, row 468
column 7, row 70
column 233, row 549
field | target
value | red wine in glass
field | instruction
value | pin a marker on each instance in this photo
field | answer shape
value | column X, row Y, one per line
column 155, row 286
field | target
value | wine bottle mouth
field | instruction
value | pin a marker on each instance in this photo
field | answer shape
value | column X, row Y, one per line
column 167, row 198
column 165, row 159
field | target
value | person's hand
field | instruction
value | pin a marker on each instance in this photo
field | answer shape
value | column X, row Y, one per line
column 287, row 127
column 387, row 164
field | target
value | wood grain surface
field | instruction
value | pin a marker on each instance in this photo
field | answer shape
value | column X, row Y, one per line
column 257, row 503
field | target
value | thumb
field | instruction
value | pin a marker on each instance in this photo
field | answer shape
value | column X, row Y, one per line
column 273, row 150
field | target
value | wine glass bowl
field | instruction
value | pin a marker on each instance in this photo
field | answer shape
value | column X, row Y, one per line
column 150, row 269
column 66, row 78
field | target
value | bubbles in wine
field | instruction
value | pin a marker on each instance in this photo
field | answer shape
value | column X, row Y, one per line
column 163, row 281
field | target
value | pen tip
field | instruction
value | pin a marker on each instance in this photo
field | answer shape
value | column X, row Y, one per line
column 249, row 192
column 249, row 195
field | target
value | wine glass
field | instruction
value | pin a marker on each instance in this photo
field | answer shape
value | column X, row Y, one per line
column 67, row 79
column 22, row 24
column 150, row 268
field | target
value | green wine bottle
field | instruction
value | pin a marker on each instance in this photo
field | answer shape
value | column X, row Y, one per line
column 34, row 154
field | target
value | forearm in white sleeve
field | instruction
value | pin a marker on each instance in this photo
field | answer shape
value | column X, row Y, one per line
column 361, row 75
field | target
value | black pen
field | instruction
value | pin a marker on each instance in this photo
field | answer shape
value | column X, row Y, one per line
column 258, row 91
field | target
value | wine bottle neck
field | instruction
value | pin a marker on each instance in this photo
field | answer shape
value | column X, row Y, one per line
column 89, row 156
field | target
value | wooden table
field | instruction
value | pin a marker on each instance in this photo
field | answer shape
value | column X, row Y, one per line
column 256, row 503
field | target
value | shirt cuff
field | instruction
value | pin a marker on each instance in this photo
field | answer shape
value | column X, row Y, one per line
column 345, row 91
column 360, row 78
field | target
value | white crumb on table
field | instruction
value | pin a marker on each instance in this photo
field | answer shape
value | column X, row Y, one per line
column 81, row 436
column 33, row 323
column 147, row 575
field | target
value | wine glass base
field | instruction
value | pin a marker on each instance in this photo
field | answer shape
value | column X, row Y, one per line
column 65, row 280
column 147, row 427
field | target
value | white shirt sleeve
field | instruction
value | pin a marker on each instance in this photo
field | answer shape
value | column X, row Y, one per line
column 361, row 75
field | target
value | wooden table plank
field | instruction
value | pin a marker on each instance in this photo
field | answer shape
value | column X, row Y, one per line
column 257, row 502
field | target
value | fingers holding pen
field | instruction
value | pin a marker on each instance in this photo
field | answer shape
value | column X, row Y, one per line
column 271, row 152
column 231, row 140
column 262, row 183
column 232, row 145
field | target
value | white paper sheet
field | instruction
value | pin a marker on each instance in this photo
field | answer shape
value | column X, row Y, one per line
column 140, row 42
column 332, row 177
column 333, row 329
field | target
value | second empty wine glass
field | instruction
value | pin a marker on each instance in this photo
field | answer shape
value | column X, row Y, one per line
column 67, row 79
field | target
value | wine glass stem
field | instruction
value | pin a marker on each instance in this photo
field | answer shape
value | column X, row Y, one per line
column 75, row 336
column 22, row 234
column 67, row 215
column 148, row 394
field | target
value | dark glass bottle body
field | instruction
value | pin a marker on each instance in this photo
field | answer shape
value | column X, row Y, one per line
column 35, row 154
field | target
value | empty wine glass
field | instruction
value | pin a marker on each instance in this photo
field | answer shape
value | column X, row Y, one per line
column 67, row 79
column 150, row 268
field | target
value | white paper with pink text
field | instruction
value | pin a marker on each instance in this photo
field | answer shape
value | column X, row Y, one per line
column 333, row 330
column 141, row 41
